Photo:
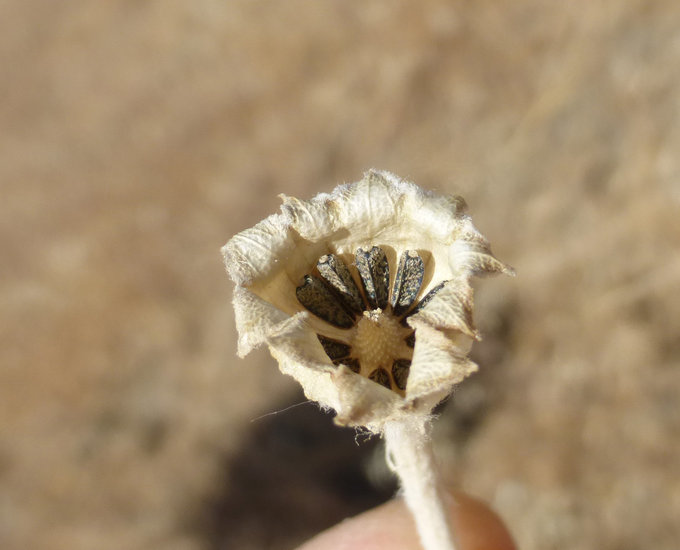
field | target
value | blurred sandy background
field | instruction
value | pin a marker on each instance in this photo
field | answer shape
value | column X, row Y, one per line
column 137, row 137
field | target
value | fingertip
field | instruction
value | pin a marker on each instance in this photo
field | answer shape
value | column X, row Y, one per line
column 391, row 525
column 477, row 526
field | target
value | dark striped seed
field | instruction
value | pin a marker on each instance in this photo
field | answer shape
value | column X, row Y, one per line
column 335, row 350
column 337, row 275
column 352, row 364
column 407, row 282
column 317, row 298
column 375, row 276
column 427, row 298
column 400, row 370
column 382, row 377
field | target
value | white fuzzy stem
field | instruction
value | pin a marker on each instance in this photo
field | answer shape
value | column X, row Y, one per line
column 409, row 454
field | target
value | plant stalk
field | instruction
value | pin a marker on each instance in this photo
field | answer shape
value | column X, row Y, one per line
column 408, row 449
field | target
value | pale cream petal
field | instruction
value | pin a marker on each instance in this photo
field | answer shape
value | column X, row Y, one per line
column 369, row 206
column 252, row 253
column 312, row 219
column 471, row 254
column 451, row 308
column 363, row 402
column 381, row 209
column 255, row 319
column 439, row 362
column 300, row 355
column 441, row 218
column 316, row 384
column 352, row 216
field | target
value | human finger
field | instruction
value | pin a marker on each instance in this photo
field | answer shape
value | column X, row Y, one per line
column 390, row 526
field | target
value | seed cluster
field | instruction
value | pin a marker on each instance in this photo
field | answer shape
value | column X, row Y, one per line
column 379, row 343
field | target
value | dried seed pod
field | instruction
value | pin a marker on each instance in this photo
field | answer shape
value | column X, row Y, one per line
column 366, row 329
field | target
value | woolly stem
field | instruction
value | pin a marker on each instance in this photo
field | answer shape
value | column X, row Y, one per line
column 409, row 454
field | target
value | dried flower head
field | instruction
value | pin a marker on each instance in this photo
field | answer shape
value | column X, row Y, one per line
column 363, row 295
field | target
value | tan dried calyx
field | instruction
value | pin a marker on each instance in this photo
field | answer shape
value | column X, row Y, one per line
column 363, row 289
